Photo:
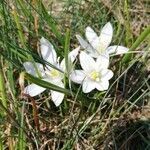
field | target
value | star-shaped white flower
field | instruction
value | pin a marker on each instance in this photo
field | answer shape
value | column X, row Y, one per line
column 98, row 45
column 95, row 74
column 48, row 73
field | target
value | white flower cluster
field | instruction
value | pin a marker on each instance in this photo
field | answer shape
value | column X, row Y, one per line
column 94, row 61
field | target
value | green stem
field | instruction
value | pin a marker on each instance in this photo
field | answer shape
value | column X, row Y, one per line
column 22, row 137
column 66, row 47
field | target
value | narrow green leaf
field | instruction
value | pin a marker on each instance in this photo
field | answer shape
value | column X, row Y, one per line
column 3, row 95
column 46, row 84
column 127, row 25
column 139, row 40
column 20, row 31
column 23, row 7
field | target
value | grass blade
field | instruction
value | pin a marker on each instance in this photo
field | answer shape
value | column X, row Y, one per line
column 139, row 40
column 3, row 95
column 46, row 84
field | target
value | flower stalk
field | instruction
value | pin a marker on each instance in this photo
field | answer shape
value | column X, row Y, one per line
column 67, row 44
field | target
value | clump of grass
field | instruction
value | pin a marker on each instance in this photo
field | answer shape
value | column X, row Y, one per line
column 99, row 120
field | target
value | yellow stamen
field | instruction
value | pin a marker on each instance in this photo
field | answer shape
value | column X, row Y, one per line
column 54, row 73
column 95, row 76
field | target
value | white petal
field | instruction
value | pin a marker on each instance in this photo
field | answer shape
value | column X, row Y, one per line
column 92, row 37
column 106, row 74
column 63, row 65
column 102, row 62
column 30, row 68
column 57, row 97
column 87, row 62
column 117, row 49
column 71, row 58
column 85, row 44
column 88, row 85
column 103, row 85
column 105, row 37
column 33, row 90
column 73, row 54
column 48, row 52
column 77, row 76
column 94, row 54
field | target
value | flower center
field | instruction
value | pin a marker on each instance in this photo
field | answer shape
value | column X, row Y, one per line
column 101, row 48
column 54, row 73
column 95, row 76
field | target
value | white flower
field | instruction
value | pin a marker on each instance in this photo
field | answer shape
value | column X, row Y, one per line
column 100, row 44
column 94, row 74
column 48, row 73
